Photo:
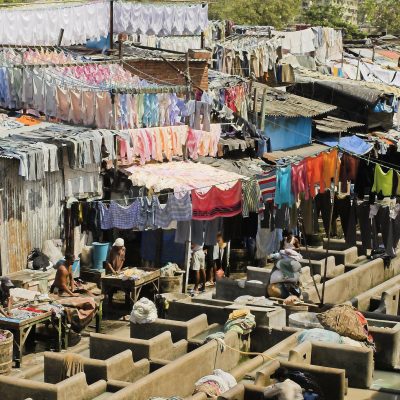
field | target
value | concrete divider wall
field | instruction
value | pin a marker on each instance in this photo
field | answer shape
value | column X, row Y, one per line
column 348, row 285
column 179, row 376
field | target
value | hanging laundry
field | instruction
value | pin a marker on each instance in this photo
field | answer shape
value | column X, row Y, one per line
column 174, row 210
column 41, row 26
column 217, row 203
column 251, row 196
column 267, row 182
column 120, row 217
column 331, row 167
column 383, row 182
column 283, row 193
column 315, row 170
column 348, row 171
column 157, row 19
column 299, row 179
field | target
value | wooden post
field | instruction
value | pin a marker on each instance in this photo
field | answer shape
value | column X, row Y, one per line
column 263, row 110
column 255, row 119
column 188, row 96
column 202, row 40
column 358, row 64
column 60, row 37
column 373, row 53
column 111, row 24
column 120, row 49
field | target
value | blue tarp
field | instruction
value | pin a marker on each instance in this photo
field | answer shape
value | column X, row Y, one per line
column 286, row 133
column 352, row 144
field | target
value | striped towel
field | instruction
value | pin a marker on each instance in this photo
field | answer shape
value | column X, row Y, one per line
column 267, row 182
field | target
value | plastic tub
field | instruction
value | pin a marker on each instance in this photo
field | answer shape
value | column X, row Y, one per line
column 100, row 252
column 76, row 268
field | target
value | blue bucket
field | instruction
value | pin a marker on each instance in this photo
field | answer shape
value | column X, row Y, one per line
column 100, row 252
column 76, row 268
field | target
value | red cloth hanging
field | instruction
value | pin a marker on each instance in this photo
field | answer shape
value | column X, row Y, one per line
column 217, row 203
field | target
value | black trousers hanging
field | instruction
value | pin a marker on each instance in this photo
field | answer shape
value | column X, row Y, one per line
column 365, row 226
column 348, row 217
column 384, row 225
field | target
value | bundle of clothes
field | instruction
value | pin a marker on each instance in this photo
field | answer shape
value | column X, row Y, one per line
column 144, row 311
column 215, row 384
column 240, row 321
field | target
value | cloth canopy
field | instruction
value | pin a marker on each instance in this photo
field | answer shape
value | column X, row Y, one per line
column 182, row 176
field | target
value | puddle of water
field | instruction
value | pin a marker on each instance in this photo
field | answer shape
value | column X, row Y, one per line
column 386, row 379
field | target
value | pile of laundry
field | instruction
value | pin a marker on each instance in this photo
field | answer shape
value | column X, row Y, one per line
column 133, row 274
column 342, row 324
column 144, row 311
column 215, row 384
column 240, row 321
column 170, row 270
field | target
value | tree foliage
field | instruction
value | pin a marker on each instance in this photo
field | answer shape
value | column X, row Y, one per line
column 331, row 16
column 276, row 13
column 383, row 14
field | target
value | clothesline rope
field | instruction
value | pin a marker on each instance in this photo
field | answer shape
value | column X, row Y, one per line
column 163, row 194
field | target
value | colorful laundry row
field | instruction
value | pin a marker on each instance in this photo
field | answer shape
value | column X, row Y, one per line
column 56, row 95
column 166, row 142
column 284, row 185
column 148, row 213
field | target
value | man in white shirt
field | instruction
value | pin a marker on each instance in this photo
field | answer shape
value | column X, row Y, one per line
column 198, row 263
column 283, row 389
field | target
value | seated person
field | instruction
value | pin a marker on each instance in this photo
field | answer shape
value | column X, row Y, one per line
column 116, row 257
column 5, row 297
column 64, row 280
column 290, row 242
column 284, row 280
column 284, row 388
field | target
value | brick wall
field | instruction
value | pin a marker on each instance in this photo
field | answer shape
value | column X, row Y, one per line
column 163, row 71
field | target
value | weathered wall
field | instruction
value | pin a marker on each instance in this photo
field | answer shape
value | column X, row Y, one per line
column 31, row 212
column 166, row 73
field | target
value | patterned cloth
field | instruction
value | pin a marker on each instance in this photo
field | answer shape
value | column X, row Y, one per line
column 174, row 210
column 267, row 182
column 251, row 196
column 119, row 217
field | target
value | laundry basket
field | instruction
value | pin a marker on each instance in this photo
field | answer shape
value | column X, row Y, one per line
column 6, row 351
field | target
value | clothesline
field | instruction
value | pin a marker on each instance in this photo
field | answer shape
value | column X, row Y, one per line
column 163, row 194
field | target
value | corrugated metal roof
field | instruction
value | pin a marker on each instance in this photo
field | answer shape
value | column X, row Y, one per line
column 297, row 153
column 305, row 75
column 335, row 125
column 282, row 104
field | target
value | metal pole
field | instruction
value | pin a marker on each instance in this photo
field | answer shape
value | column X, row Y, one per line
column 111, row 24
column 301, row 220
column 330, row 225
column 187, row 265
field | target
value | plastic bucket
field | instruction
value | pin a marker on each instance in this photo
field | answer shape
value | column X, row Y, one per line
column 76, row 268
column 100, row 252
